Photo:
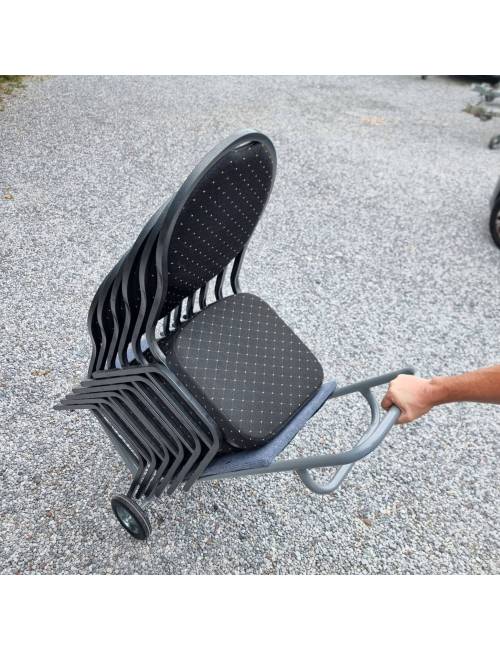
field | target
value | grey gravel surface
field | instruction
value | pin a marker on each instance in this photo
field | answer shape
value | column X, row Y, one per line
column 374, row 248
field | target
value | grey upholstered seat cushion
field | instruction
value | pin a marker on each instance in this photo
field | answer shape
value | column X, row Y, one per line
column 246, row 366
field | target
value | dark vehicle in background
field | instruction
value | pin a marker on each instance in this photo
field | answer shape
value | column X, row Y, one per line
column 495, row 214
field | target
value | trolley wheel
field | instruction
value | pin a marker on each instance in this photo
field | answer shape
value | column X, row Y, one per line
column 494, row 142
column 495, row 223
column 131, row 516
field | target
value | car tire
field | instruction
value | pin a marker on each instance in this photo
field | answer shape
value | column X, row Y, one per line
column 495, row 222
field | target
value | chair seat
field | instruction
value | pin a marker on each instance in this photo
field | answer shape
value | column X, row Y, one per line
column 249, row 459
column 245, row 366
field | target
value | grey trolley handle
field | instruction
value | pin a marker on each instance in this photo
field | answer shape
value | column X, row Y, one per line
column 371, row 439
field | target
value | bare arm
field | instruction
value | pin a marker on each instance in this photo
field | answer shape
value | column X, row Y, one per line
column 416, row 396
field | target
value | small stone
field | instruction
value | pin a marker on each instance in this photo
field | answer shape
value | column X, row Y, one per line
column 40, row 373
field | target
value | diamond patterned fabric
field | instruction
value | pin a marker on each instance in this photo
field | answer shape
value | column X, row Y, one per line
column 246, row 366
column 218, row 219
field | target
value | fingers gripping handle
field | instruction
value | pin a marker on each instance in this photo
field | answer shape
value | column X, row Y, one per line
column 390, row 419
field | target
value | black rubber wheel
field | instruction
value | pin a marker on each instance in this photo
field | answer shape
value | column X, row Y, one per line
column 494, row 143
column 131, row 516
column 495, row 223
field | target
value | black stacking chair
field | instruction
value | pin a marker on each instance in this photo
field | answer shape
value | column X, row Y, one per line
column 191, row 384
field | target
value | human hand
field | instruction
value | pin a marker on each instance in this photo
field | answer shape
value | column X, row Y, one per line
column 412, row 395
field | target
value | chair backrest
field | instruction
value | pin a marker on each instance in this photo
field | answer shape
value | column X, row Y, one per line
column 190, row 240
column 111, row 313
column 132, row 292
column 99, row 323
column 210, row 221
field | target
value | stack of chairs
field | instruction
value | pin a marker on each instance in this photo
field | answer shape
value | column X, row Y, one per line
column 180, row 373
column 191, row 384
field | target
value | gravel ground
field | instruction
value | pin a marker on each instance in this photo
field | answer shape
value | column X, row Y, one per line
column 374, row 248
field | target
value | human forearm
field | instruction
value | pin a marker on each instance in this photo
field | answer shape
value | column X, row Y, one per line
column 416, row 396
column 477, row 386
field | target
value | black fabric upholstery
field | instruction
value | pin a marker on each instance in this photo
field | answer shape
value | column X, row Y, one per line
column 218, row 219
column 245, row 366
